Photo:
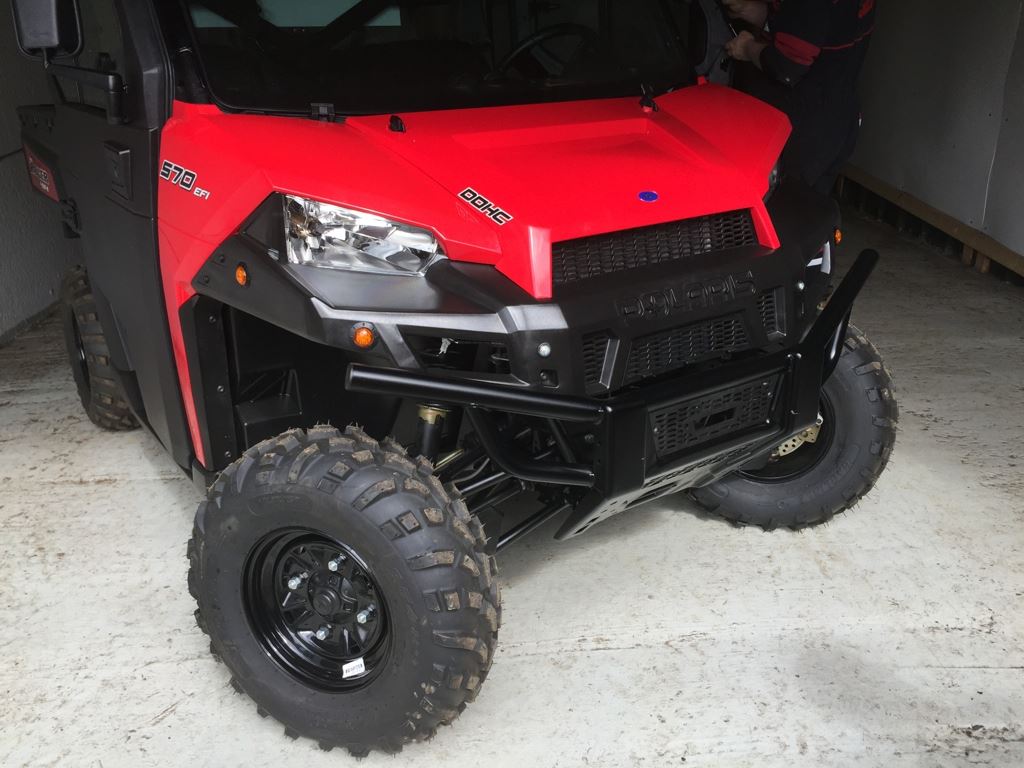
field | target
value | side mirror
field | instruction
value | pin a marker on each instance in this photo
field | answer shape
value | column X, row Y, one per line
column 47, row 29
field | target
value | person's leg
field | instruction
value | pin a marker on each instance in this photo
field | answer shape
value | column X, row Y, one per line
column 827, row 182
column 824, row 136
column 825, row 126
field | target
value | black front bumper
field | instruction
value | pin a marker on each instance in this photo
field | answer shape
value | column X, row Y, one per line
column 654, row 440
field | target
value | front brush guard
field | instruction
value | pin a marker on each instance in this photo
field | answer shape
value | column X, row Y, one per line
column 628, row 469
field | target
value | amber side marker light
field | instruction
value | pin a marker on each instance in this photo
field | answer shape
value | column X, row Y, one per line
column 241, row 275
column 364, row 337
column 839, row 237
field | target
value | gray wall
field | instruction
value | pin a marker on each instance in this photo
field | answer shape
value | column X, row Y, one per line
column 1004, row 219
column 33, row 251
column 943, row 96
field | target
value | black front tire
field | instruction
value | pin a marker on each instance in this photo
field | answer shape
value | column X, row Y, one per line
column 89, row 356
column 429, row 564
column 861, row 414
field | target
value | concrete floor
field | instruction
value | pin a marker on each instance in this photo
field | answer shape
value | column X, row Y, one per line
column 893, row 637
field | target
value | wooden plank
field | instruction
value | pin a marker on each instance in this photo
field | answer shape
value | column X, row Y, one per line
column 975, row 239
column 967, row 256
column 983, row 264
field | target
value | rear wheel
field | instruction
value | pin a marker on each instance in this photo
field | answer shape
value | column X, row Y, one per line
column 345, row 588
column 95, row 379
column 830, row 467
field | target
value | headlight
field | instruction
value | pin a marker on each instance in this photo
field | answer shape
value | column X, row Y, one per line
column 323, row 235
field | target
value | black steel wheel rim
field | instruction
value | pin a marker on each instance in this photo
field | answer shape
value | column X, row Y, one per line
column 317, row 610
column 80, row 357
column 803, row 459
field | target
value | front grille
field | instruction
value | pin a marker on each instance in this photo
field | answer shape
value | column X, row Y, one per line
column 767, row 305
column 672, row 349
column 694, row 422
column 595, row 350
column 587, row 257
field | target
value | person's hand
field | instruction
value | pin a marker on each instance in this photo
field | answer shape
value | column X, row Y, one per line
column 744, row 47
column 754, row 12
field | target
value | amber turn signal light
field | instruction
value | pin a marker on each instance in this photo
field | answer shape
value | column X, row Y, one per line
column 364, row 337
column 839, row 237
column 241, row 275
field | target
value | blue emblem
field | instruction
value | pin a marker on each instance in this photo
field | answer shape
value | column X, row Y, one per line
column 649, row 197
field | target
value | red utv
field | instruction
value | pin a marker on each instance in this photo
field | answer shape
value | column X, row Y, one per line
column 399, row 282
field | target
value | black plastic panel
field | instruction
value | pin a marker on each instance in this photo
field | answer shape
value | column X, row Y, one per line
column 119, row 241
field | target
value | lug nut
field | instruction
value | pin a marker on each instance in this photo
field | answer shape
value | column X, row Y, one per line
column 335, row 564
column 296, row 581
column 364, row 615
column 323, row 632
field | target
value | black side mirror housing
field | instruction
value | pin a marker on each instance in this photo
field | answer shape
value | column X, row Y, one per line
column 47, row 29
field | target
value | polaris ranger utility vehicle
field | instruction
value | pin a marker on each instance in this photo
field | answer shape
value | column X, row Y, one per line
column 399, row 282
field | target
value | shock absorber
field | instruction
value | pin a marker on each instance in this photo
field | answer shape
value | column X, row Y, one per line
column 431, row 429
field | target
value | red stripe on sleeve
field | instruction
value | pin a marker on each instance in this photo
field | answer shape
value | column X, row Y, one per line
column 795, row 49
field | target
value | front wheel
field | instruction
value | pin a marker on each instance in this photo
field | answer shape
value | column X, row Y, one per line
column 826, row 470
column 347, row 591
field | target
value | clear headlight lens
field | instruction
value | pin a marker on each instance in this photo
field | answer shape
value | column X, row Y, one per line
column 323, row 235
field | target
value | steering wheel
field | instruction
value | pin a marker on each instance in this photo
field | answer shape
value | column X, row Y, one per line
column 585, row 33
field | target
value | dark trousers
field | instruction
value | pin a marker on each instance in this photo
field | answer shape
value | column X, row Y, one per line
column 824, row 137
column 826, row 123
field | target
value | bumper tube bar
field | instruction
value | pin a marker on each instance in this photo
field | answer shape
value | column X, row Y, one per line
column 472, row 394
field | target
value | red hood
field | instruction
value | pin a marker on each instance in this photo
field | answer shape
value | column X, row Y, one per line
column 561, row 171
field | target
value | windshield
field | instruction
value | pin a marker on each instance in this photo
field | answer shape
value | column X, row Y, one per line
column 376, row 56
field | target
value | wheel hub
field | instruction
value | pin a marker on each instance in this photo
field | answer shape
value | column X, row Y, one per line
column 326, row 602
